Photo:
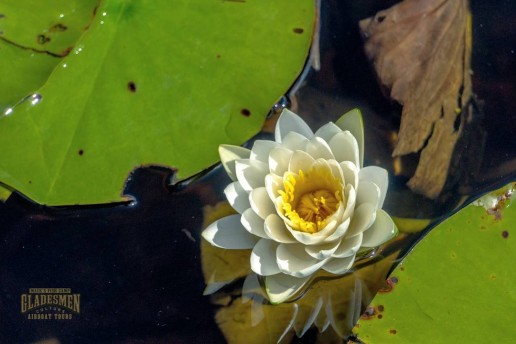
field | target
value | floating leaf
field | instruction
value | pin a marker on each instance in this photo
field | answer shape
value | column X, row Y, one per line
column 457, row 285
column 421, row 51
column 152, row 82
column 34, row 35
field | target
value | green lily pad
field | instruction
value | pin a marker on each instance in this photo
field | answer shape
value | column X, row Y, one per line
column 152, row 83
column 34, row 35
column 458, row 285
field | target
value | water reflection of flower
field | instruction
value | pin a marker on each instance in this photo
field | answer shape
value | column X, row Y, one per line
column 304, row 203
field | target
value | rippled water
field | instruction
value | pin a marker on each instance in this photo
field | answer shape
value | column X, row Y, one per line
column 137, row 266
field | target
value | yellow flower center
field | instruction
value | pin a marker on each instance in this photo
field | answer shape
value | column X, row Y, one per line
column 310, row 198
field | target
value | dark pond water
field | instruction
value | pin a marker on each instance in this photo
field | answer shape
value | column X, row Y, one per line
column 137, row 266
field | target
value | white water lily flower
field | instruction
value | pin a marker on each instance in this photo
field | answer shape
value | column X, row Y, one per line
column 304, row 201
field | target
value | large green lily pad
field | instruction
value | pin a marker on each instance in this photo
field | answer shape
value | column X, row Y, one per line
column 458, row 285
column 152, row 83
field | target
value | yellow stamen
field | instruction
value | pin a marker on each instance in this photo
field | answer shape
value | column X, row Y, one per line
column 310, row 199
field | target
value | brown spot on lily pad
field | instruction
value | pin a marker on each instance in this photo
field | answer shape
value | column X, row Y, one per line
column 245, row 112
column 505, row 234
column 80, row 152
column 131, row 86
column 298, row 30
column 380, row 308
column 393, row 331
column 42, row 39
column 58, row 27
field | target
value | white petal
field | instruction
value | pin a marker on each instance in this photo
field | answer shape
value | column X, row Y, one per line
column 339, row 266
column 315, row 312
column 353, row 122
column 350, row 172
column 327, row 131
column 263, row 258
column 237, row 197
column 276, row 230
column 319, row 149
column 379, row 176
column 251, row 173
column 293, row 260
column 345, row 148
column 295, row 141
column 290, row 122
column 300, row 161
column 228, row 154
column 339, row 232
column 273, row 184
column 322, row 251
column 306, row 238
column 363, row 218
column 350, row 201
column 261, row 149
column 348, row 246
column 229, row 233
column 336, row 170
column 368, row 192
column 261, row 202
column 253, row 223
column 281, row 287
column 382, row 230
column 278, row 160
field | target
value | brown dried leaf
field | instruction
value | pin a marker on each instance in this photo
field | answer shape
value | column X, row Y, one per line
column 421, row 52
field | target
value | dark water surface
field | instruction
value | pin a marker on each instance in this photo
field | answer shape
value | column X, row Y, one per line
column 137, row 266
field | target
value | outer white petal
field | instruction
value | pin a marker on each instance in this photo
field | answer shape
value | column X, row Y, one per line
column 348, row 246
column 379, row 176
column 261, row 203
column 327, row 131
column 300, row 161
column 229, row 233
column 363, row 218
column 229, row 154
column 350, row 172
column 293, row 260
column 253, row 223
column 345, row 148
column 263, row 258
column 382, row 230
column 279, row 158
column 353, row 122
column 290, row 122
column 368, row 192
column 251, row 173
column 295, row 141
column 261, row 150
column 281, row 287
column 322, row 251
column 339, row 266
column 319, row 149
column 237, row 197
column 276, row 230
